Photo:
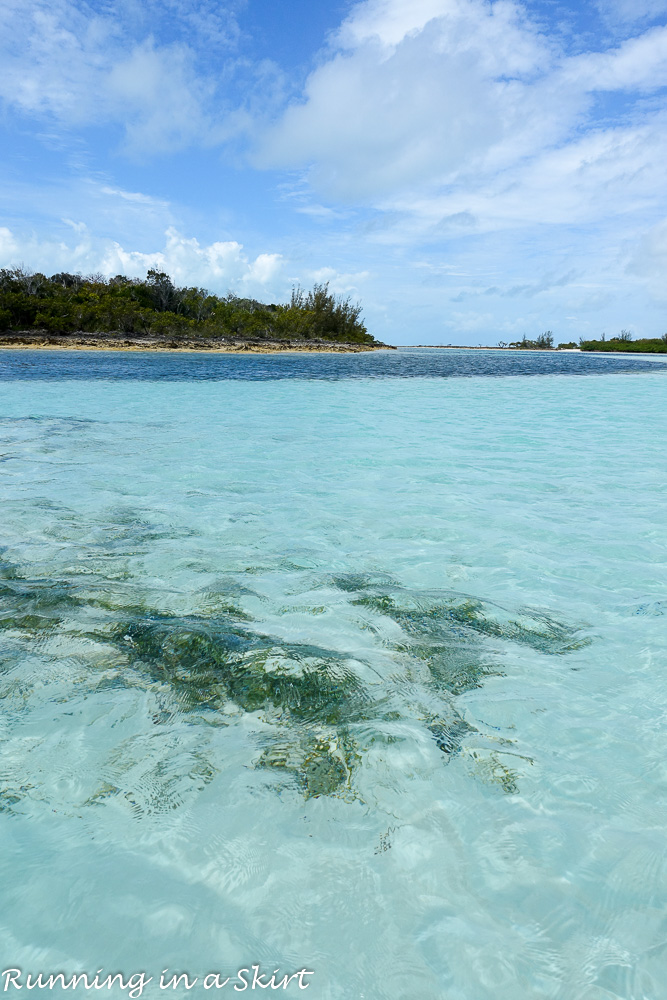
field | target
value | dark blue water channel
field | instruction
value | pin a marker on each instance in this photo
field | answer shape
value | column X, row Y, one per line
column 181, row 366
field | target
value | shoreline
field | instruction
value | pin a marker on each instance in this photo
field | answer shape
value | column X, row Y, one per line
column 275, row 347
column 188, row 347
column 534, row 350
column 506, row 350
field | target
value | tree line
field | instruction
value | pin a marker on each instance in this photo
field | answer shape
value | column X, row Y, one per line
column 155, row 307
column 624, row 342
column 621, row 342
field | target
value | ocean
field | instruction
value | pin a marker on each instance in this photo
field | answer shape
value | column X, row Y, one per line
column 344, row 668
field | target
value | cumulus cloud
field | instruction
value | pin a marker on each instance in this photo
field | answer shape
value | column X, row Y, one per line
column 410, row 94
column 461, row 116
column 221, row 266
column 530, row 178
column 342, row 283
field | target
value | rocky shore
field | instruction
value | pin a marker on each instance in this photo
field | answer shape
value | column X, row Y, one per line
column 119, row 342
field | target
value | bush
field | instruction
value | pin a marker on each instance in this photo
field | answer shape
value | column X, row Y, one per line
column 544, row 342
column 648, row 346
column 67, row 303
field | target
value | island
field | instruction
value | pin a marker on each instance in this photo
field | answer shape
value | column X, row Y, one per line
column 121, row 313
column 624, row 342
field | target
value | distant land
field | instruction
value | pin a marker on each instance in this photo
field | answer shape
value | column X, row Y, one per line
column 624, row 343
column 120, row 313
column 497, row 347
column 657, row 345
column 492, row 347
column 544, row 342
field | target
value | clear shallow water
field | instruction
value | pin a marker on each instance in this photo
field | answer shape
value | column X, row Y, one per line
column 363, row 674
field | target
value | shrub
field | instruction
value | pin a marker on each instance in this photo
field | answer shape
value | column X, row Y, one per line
column 67, row 303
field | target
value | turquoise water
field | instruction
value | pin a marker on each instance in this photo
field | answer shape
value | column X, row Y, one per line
column 356, row 667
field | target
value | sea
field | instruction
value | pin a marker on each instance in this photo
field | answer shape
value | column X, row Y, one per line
column 335, row 676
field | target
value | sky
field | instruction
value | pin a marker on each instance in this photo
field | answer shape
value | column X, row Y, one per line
column 471, row 172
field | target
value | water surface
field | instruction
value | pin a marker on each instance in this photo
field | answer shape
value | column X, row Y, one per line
column 340, row 662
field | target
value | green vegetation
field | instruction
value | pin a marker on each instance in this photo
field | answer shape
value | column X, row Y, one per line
column 624, row 342
column 67, row 304
column 314, row 711
column 209, row 661
column 544, row 342
column 445, row 619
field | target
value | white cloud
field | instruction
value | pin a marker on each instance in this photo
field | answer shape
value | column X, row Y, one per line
column 649, row 261
column 213, row 23
column 639, row 63
column 319, row 212
column 130, row 217
column 135, row 196
column 61, row 61
column 221, row 266
column 10, row 251
column 628, row 12
column 411, row 94
column 604, row 175
column 458, row 116
column 340, row 283
column 530, row 180
column 264, row 270
column 78, row 227
column 161, row 97
column 49, row 52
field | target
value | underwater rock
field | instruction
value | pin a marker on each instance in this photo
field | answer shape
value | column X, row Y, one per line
column 214, row 662
column 32, row 606
column 319, row 765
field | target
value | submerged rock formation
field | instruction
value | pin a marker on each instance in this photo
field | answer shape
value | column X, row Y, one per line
column 313, row 706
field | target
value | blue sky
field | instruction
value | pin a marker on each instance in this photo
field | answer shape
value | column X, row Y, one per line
column 470, row 171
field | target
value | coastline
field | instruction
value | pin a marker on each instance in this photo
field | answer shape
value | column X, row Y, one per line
column 535, row 350
column 490, row 347
column 29, row 342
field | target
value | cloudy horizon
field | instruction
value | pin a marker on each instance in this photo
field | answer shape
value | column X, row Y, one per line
column 470, row 171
